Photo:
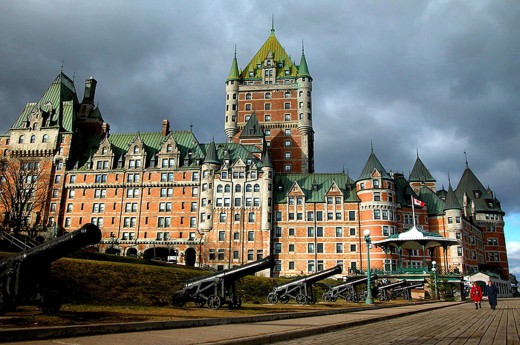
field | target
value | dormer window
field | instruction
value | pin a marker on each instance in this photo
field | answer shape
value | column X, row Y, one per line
column 169, row 148
column 20, row 139
column 35, row 126
column 136, row 149
column 104, row 151
column 45, row 138
column 33, row 139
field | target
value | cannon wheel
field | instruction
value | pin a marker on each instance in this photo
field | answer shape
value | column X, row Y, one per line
column 285, row 299
column 214, row 302
column 272, row 298
column 301, row 299
column 325, row 297
column 50, row 302
column 178, row 299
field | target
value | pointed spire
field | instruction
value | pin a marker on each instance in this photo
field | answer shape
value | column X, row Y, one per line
column 373, row 164
column 234, row 73
column 211, row 154
column 272, row 23
column 451, row 200
column 266, row 160
column 420, row 173
column 303, row 69
column 466, row 158
column 252, row 128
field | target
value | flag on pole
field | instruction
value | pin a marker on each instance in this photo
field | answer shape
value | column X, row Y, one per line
column 418, row 202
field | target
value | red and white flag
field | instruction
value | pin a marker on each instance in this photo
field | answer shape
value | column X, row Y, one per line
column 418, row 202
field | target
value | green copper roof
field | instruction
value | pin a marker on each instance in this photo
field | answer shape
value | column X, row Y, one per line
column 323, row 182
column 234, row 73
column 252, row 129
column 281, row 58
column 211, row 154
column 434, row 203
column 373, row 164
column 403, row 190
column 451, row 200
column 420, row 172
column 480, row 196
column 303, row 70
column 60, row 98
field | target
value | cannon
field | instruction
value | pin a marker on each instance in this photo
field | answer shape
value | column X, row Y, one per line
column 346, row 290
column 405, row 291
column 218, row 288
column 385, row 291
column 24, row 276
column 301, row 288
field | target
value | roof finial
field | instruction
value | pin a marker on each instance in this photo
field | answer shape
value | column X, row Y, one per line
column 343, row 170
column 272, row 23
column 235, row 51
column 371, row 147
column 449, row 179
column 62, row 63
column 466, row 156
column 417, row 152
column 303, row 48
column 191, row 127
column 73, row 76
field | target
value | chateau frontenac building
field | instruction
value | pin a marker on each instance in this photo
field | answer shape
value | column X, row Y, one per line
column 167, row 196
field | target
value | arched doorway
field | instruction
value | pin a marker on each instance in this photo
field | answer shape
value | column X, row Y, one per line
column 132, row 252
column 113, row 251
column 158, row 253
column 190, row 256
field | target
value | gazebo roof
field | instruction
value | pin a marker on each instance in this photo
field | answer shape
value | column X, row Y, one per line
column 415, row 238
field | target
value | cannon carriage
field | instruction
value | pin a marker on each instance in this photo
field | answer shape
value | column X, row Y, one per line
column 346, row 290
column 300, row 289
column 405, row 291
column 218, row 288
column 385, row 291
column 25, row 276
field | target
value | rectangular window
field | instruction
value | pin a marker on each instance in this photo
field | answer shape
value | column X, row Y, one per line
column 250, row 235
column 339, row 248
column 339, row 231
column 221, row 236
column 351, row 215
column 352, row 247
column 310, row 247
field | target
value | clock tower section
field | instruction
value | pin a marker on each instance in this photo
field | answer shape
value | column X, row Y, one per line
column 278, row 92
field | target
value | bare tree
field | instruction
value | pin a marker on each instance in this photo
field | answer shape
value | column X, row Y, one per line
column 24, row 187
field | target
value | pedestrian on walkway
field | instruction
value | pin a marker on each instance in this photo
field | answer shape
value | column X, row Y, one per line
column 492, row 293
column 476, row 295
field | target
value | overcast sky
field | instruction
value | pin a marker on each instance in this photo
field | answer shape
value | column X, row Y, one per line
column 433, row 77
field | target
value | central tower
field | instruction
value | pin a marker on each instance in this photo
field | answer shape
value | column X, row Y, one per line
column 278, row 92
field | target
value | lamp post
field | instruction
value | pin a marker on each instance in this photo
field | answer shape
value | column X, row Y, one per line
column 369, row 299
column 434, row 269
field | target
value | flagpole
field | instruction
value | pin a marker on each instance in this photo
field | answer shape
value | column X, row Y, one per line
column 413, row 210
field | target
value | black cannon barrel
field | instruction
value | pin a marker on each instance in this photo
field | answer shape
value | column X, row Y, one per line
column 312, row 278
column 352, row 282
column 59, row 247
column 235, row 273
column 391, row 285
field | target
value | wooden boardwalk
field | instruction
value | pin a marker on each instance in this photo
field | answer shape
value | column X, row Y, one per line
column 460, row 324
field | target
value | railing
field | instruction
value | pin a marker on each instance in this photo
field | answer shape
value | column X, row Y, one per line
column 418, row 270
column 18, row 243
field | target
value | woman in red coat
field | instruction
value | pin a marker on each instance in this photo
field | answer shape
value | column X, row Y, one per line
column 476, row 294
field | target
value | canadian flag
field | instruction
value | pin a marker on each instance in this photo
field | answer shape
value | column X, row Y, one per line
column 418, row 202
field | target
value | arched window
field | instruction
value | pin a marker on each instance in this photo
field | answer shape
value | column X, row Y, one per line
column 35, row 126
column 248, row 96
column 257, row 187
column 33, row 139
column 249, row 188
column 238, row 188
column 227, row 189
column 267, row 95
column 219, row 188
column 45, row 138
column 287, row 94
column 20, row 139
column 169, row 148
column 104, row 151
column 136, row 149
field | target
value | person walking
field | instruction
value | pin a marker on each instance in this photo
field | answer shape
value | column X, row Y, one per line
column 492, row 293
column 476, row 295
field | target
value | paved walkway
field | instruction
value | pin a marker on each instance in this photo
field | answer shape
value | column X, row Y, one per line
column 432, row 323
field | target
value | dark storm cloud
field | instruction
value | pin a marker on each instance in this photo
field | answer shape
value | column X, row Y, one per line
column 434, row 77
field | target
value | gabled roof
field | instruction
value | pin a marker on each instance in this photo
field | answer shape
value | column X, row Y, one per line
column 322, row 181
column 271, row 46
column 420, row 173
column 60, row 98
column 373, row 164
column 252, row 129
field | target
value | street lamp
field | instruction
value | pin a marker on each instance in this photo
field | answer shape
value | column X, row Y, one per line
column 434, row 269
column 369, row 299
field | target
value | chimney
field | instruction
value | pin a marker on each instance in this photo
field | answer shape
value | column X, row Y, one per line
column 165, row 128
column 90, row 90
